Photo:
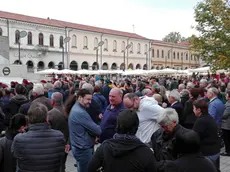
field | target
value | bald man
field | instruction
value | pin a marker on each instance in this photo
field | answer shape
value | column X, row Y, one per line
column 109, row 119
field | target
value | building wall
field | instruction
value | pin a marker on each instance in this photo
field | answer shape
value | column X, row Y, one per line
column 107, row 53
column 170, row 57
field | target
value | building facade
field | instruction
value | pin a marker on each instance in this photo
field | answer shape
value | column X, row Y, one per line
column 171, row 55
column 51, row 43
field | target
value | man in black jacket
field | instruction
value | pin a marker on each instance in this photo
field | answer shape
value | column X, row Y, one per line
column 125, row 152
column 41, row 148
column 163, row 140
column 15, row 103
column 7, row 161
column 190, row 158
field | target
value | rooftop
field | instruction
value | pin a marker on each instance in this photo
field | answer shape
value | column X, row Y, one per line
column 62, row 24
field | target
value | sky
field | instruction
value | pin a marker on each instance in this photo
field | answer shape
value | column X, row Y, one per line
column 153, row 19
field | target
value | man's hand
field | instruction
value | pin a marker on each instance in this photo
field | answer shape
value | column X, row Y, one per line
column 67, row 148
column 100, row 116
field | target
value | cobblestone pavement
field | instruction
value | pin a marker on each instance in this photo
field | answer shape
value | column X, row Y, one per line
column 224, row 164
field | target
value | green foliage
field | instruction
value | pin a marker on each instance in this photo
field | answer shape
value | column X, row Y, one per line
column 174, row 37
column 213, row 25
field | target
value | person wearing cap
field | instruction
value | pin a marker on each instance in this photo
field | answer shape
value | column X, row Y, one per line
column 17, row 124
column 124, row 150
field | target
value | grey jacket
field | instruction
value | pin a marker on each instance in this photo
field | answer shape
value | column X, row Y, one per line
column 226, row 117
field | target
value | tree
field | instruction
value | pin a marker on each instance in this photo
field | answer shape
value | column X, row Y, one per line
column 213, row 25
column 174, row 37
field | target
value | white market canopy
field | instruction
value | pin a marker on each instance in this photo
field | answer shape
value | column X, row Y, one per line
column 202, row 69
column 138, row 72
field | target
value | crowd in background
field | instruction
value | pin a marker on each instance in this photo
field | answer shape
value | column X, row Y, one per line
column 137, row 124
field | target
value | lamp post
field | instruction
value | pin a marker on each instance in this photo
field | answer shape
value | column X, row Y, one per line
column 97, row 49
column 65, row 41
column 22, row 34
column 126, row 48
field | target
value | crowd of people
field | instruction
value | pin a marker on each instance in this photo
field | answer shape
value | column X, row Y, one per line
column 148, row 124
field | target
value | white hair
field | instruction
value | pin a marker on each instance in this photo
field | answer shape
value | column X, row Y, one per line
column 168, row 116
column 38, row 89
column 158, row 98
column 184, row 92
column 98, row 83
column 88, row 87
column 181, row 86
column 213, row 90
column 145, row 91
column 190, row 85
column 57, row 84
column 204, row 81
column 175, row 94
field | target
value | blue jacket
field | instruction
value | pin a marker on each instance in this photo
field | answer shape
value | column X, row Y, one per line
column 40, row 149
column 109, row 121
column 216, row 110
column 82, row 128
column 100, row 99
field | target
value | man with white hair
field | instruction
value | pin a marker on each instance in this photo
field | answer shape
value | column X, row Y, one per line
column 203, row 83
column 158, row 98
column 181, row 87
column 147, row 92
column 174, row 100
column 190, row 85
column 163, row 140
column 148, row 112
column 38, row 94
column 215, row 107
column 57, row 87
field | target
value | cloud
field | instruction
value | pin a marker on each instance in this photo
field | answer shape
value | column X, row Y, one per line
column 150, row 22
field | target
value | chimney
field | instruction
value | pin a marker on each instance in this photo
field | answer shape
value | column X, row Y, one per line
column 48, row 18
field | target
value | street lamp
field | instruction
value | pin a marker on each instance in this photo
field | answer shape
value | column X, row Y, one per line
column 66, row 40
column 22, row 34
column 126, row 48
column 97, row 49
column 146, row 53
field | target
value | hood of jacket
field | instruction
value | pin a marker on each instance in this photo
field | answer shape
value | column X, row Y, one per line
column 119, row 147
column 19, row 99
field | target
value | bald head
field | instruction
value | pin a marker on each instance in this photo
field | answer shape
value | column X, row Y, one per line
column 115, row 96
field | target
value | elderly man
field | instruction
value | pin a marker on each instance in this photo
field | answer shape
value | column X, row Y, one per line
column 174, row 100
column 163, row 140
column 58, row 121
column 41, row 148
column 147, row 92
column 216, row 107
column 189, row 86
column 37, row 95
column 148, row 112
column 109, row 120
column 181, row 87
column 57, row 87
column 159, row 99
column 203, row 83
